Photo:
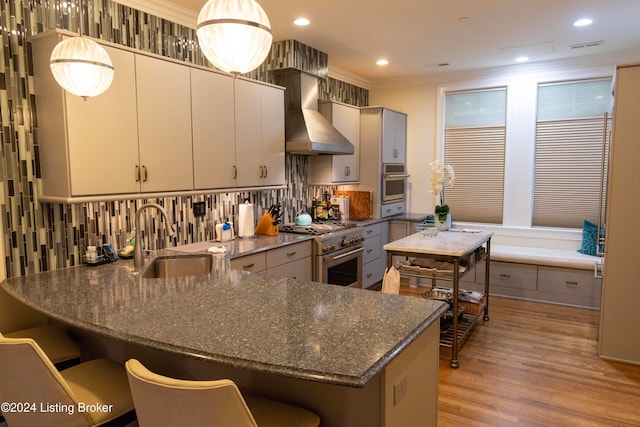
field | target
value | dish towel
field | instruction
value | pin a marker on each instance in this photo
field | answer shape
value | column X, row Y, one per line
column 391, row 281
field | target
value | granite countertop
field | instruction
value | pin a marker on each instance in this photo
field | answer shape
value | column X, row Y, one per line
column 448, row 243
column 244, row 246
column 289, row 327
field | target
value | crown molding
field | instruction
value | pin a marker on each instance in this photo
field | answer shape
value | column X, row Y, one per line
column 166, row 10
column 347, row 77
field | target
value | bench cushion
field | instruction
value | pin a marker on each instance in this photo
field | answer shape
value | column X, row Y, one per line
column 543, row 256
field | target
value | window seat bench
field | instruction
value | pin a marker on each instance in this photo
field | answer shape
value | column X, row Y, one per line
column 557, row 276
column 544, row 256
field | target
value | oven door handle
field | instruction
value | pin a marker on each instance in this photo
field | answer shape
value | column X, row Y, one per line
column 335, row 258
column 395, row 175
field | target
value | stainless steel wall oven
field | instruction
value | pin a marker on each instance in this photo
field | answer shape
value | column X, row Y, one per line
column 394, row 182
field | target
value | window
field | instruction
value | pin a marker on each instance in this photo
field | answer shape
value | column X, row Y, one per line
column 474, row 144
column 570, row 133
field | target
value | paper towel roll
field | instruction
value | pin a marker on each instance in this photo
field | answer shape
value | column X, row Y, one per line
column 245, row 220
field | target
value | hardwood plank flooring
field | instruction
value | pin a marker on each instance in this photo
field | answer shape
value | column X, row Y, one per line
column 535, row 364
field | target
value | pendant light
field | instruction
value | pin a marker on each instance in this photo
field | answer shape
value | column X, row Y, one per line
column 234, row 35
column 81, row 66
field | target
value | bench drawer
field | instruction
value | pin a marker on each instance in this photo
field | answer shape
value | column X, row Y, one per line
column 509, row 275
column 568, row 281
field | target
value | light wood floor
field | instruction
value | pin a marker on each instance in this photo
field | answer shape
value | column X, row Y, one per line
column 536, row 364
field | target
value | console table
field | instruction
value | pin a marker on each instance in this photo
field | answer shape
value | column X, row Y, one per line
column 453, row 247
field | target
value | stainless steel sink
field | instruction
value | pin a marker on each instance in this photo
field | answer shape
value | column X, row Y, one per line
column 179, row 266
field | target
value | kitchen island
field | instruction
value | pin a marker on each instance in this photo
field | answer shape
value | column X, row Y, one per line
column 452, row 247
column 346, row 354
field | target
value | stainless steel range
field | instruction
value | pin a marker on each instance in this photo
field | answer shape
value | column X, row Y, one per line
column 337, row 251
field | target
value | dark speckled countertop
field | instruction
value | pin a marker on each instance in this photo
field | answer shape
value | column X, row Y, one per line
column 296, row 328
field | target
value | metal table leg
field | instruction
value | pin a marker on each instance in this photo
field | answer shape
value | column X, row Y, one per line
column 454, row 313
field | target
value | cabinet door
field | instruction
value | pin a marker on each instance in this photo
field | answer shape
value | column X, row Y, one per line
column 394, row 135
column 164, row 125
column 214, row 146
column 389, row 154
column 273, row 144
column 248, row 109
column 103, row 134
column 299, row 269
column 401, row 137
column 347, row 120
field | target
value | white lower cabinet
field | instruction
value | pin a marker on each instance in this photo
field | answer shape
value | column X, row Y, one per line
column 541, row 283
column 570, row 286
column 374, row 259
column 253, row 263
column 292, row 261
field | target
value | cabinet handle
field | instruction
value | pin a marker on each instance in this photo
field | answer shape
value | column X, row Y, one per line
column 248, row 265
column 597, row 270
column 369, row 251
column 137, row 173
column 235, row 172
column 505, row 276
column 571, row 284
column 395, row 153
column 266, row 172
column 369, row 231
column 144, row 173
column 291, row 253
column 389, row 210
column 369, row 275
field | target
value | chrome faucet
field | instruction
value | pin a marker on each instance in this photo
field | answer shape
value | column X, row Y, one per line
column 138, row 256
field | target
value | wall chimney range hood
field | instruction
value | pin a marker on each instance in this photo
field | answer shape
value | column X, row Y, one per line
column 307, row 132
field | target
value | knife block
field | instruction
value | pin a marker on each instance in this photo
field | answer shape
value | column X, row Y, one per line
column 265, row 225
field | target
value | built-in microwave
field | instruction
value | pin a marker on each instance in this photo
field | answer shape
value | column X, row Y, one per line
column 394, row 182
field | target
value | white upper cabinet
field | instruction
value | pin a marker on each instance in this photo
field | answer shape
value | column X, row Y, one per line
column 338, row 168
column 259, row 134
column 164, row 125
column 214, row 146
column 394, row 136
column 86, row 147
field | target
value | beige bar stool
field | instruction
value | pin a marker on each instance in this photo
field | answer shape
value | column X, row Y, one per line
column 164, row 401
column 92, row 393
column 54, row 341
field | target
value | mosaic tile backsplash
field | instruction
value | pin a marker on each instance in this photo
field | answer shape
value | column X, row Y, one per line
column 41, row 236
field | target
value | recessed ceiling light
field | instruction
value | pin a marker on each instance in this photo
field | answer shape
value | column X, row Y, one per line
column 302, row 22
column 582, row 22
column 382, row 62
column 522, row 59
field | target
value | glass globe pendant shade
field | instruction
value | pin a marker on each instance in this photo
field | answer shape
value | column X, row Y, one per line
column 81, row 66
column 234, row 35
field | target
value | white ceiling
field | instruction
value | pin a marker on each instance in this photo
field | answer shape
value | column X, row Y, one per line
column 417, row 35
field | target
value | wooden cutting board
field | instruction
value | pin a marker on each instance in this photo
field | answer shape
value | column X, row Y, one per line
column 360, row 203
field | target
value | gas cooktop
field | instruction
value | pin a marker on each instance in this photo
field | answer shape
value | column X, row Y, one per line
column 316, row 228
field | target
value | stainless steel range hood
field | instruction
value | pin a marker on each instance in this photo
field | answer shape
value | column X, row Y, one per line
column 306, row 130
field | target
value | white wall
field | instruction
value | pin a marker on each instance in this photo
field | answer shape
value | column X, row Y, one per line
column 420, row 102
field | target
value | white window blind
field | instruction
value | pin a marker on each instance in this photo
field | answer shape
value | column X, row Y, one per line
column 474, row 144
column 570, row 134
